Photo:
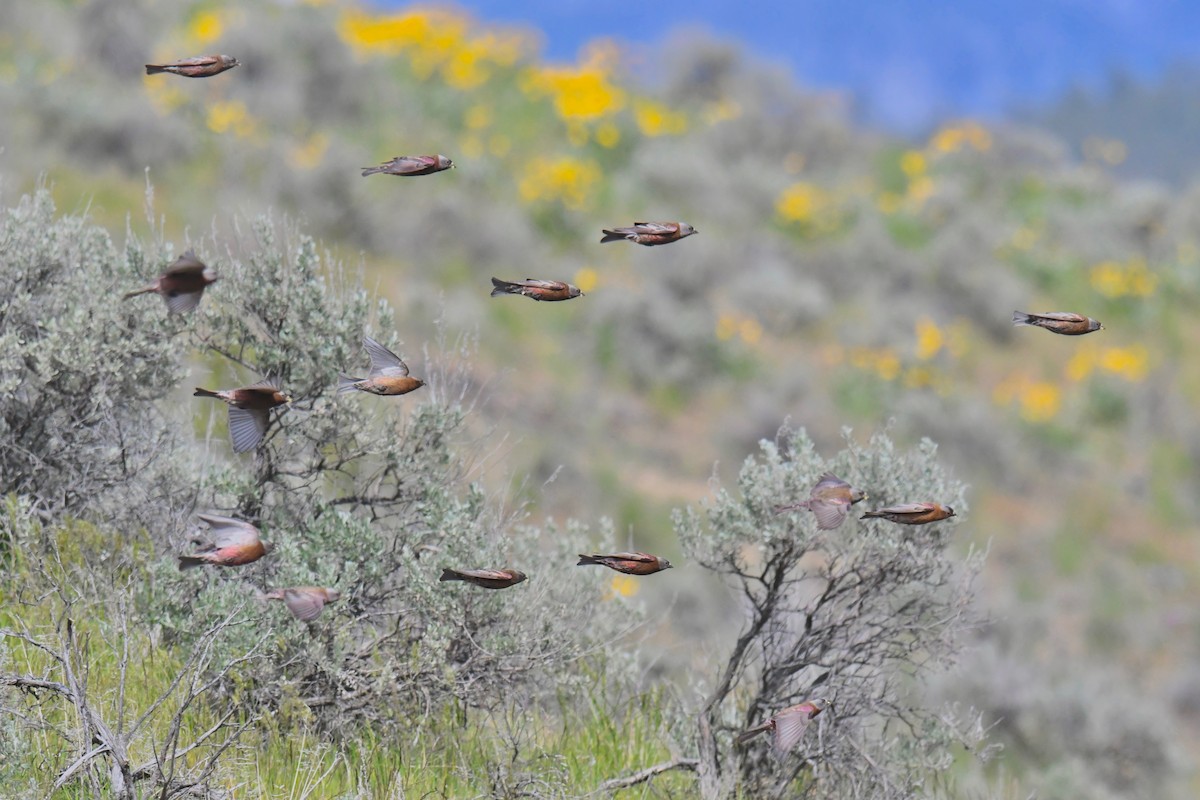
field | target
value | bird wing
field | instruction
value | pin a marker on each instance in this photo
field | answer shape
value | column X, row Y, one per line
column 644, row 558
column 304, row 603
column 410, row 163
column 247, row 426
column 485, row 574
column 829, row 481
column 656, row 228
column 790, row 725
column 195, row 61
column 229, row 532
column 908, row 508
column 186, row 264
column 1061, row 316
column 182, row 302
column 266, row 384
column 383, row 361
column 534, row 283
column 830, row 513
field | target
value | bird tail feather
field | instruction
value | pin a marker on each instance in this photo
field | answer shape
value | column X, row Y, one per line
column 503, row 287
column 143, row 290
column 791, row 507
column 612, row 236
column 346, row 383
column 746, row 736
column 190, row 562
column 1021, row 318
column 204, row 393
column 154, row 69
column 449, row 575
column 585, row 560
column 372, row 170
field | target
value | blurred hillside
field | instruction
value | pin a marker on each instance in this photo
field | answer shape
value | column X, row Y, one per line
column 840, row 278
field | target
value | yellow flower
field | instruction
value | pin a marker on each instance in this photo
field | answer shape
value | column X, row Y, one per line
column 750, row 330
column 586, row 279
column 1081, row 364
column 608, row 135
column 887, row 365
column 1040, row 401
column 479, row 116
column 205, row 28
column 804, row 202
column 920, row 190
column 579, row 93
column 913, row 164
column 952, row 138
column 499, row 145
column 567, row 181
column 721, row 111
column 1108, row 279
column 231, row 116
column 165, row 96
column 1128, row 362
column 929, row 338
column 888, row 202
column 917, row 377
column 310, row 154
column 655, row 119
column 621, row 586
column 727, row 326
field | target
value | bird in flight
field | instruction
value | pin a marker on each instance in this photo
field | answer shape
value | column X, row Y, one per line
column 628, row 563
column 249, row 409
column 538, row 290
column 1064, row 322
column 829, row 500
column 410, row 165
column 388, row 375
column 230, row 543
column 912, row 513
column 197, row 67
column 649, row 233
column 182, row 284
column 487, row 578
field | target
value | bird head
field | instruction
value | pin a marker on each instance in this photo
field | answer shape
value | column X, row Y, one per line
column 229, row 62
column 1094, row 325
column 420, row 383
column 444, row 163
column 857, row 495
column 663, row 563
column 686, row 230
column 950, row 512
column 332, row 595
column 268, row 547
column 518, row 576
column 573, row 291
column 210, row 275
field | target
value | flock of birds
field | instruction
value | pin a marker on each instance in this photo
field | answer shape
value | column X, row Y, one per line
column 232, row 542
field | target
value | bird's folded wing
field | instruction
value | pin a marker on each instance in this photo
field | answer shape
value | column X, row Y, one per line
column 908, row 508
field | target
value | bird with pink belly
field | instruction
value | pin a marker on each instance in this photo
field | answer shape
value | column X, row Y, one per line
column 628, row 563
column 196, row 67
column 230, row 543
column 249, row 411
column 829, row 500
column 912, row 513
column 304, row 602
column 181, row 285
column 788, row 726
column 649, row 234
column 388, row 375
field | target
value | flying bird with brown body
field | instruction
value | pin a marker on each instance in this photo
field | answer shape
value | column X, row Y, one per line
column 629, row 563
column 829, row 500
column 486, row 578
column 538, row 290
column 196, row 67
column 407, row 166
column 249, row 411
column 1063, row 322
column 182, row 284
column 230, row 543
column 912, row 513
column 788, row 726
column 649, row 233
column 305, row 602
column 388, row 375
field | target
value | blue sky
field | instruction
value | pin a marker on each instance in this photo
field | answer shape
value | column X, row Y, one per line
column 908, row 63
